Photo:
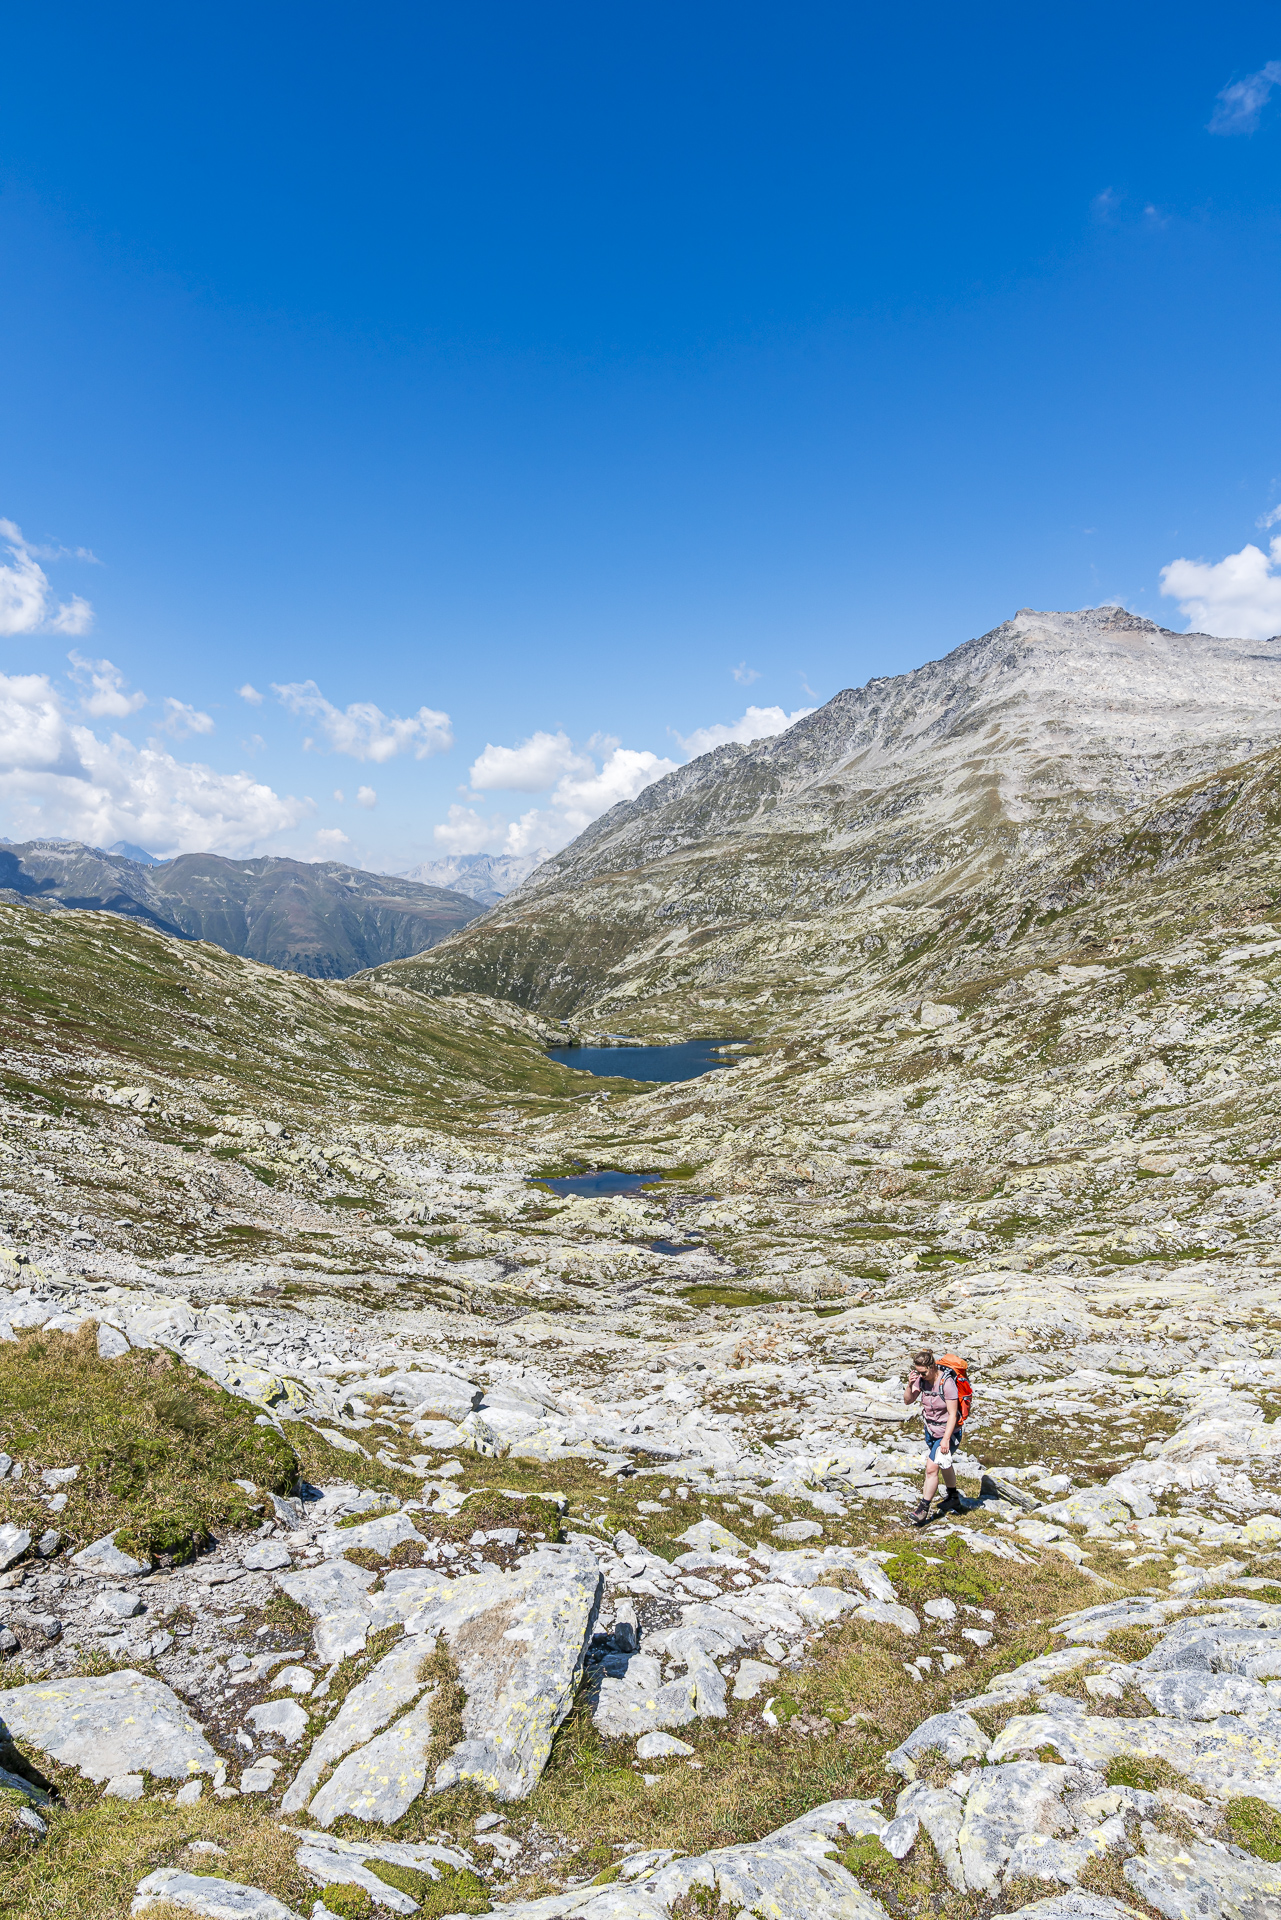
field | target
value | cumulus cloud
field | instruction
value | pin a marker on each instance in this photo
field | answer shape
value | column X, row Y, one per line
column 581, row 784
column 331, row 838
column 532, row 767
column 756, row 724
column 58, row 777
column 26, row 598
column 363, row 730
column 102, row 689
column 744, row 674
column 1239, row 106
column 250, row 693
column 366, row 797
column 466, row 831
column 181, row 720
column 1238, row 598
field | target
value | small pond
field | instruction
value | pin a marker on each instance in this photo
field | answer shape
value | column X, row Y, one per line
column 683, row 1061
column 596, row 1186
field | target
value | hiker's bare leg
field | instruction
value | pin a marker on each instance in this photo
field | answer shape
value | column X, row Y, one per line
column 949, row 1479
column 932, row 1480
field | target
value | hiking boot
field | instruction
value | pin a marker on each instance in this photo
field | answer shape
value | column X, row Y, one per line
column 920, row 1514
column 952, row 1502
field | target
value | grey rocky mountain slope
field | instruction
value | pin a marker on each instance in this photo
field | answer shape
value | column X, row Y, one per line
column 933, row 784
column 319, row 918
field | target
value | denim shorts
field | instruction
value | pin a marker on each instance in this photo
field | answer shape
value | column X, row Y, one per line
column 934, row 1447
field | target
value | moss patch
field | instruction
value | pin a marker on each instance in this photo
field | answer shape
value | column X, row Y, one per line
column 1256, row 1826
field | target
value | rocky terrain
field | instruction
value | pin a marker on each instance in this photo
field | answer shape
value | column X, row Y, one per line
column 318, row 918
column 387, row 1530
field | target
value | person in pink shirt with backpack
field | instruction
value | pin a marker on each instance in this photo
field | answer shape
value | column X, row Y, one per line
column 943, row 1388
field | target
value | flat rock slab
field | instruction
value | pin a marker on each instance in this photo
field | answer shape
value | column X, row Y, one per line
column 518, row 1640
column 104, row 1556
column 1189, row 1882
column 381, row 1535
column 370, row 1705
column 201, row 1893
column 955, row 1735
column 270, row 1557
column 110, row 1724
column 284, row 1717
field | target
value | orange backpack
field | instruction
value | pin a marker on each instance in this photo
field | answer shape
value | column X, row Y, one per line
column 960, row 1371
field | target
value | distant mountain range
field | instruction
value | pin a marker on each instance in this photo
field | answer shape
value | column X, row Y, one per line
column 485, row 877
column 321, row 919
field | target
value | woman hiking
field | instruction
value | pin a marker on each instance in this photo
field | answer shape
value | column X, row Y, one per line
column 935, row 1388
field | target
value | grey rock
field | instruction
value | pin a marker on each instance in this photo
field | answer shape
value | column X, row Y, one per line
column 1005, row 1803
column 104, row 1556
column 955, row 1735
column 14, row 1542
column 1203, row 1696
column 1203, row 1879
column 798, row 1530
column 899, row 1836
column 940, row 1814
column 125, row 1786
column 9, row 1642
column 752, row 1675
column 268, row 1557
column 216, row 1899
column 108, row 1724
column 372, row 1702
column 284, row 1717
column 657, row 1746
column 48, row 1543
column 382, row 1779
column 381, row 1535
column 119, row 1604
column 111, row 1343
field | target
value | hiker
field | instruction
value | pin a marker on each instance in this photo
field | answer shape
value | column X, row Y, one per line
column 935, row 1386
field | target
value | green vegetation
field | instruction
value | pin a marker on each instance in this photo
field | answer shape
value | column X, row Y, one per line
column 158, row 1445
column 1255, row 1825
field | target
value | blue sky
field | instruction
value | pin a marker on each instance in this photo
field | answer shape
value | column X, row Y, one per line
column 528, row 392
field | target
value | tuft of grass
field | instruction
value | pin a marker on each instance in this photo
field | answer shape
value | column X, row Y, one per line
column 348, row 1902
column 1254, row 1825
column 158, row 1445
column 1148, row 1774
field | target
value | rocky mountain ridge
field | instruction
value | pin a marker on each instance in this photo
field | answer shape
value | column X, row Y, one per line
column 321, row 918
column 960, row 778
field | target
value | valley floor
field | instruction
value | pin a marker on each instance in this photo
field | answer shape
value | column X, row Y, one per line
column 381, row 1529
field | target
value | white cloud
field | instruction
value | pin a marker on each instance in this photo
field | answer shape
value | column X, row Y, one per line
column 1237, row 599
column 366, row 797
column 466, row 832
column 250, row 693
column 59, row 777
column 102, row 688
column 1240, row 105
column 1269, row 519
column 756, row 724
column 25, row 593
column 363, row 730
column 744, row 674
column 532, row 767
column 332, row 838
column 338, row 793
column 181, row 720
column 581, row 792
